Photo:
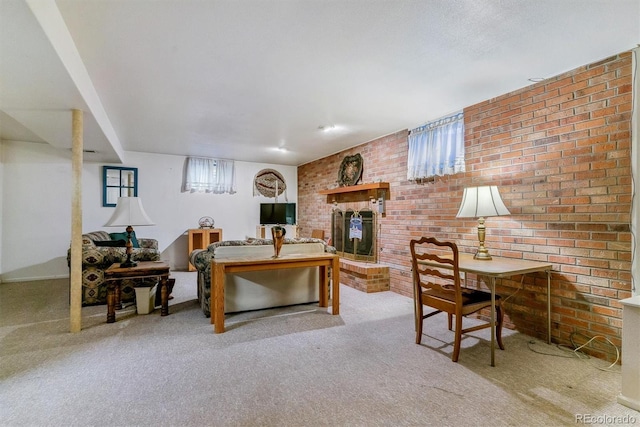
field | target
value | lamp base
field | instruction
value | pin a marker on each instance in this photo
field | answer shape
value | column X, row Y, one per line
column 128, row 264
column 482, row 255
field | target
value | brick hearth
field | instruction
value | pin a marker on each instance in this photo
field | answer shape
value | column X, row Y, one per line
column 363, row 276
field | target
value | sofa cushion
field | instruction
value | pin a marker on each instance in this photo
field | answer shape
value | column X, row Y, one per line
column 95, row 236
column 111, row 243
column 124, row 236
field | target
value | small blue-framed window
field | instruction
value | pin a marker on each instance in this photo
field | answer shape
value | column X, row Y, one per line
column 118, row 182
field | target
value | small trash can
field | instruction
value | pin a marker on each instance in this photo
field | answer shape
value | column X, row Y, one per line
column 145, row 297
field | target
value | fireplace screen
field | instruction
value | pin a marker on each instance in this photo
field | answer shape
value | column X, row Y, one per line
column 353, row 234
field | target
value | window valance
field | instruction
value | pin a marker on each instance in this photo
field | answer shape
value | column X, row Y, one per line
column 436, row 148
column 204, row 175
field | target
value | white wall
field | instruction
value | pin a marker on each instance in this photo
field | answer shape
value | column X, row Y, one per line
column 1, row 197
column 36, row 212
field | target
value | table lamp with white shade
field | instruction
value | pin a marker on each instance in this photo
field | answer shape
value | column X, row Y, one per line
column 129, row 212
column 481, row 202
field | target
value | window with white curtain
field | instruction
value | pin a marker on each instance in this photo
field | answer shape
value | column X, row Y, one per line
column 203, row 175
column 436, row 148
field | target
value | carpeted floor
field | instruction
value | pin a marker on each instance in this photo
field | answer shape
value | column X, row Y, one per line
column 294, row 366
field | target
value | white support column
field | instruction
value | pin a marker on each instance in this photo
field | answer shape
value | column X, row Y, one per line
column 635, row 171
column 630, row 395
column 75, row 313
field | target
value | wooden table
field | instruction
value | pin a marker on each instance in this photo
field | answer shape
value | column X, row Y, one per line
column 144, row 270
column 499, row 267
column 220, row 267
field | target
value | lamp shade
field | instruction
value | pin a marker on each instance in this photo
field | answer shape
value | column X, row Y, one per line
column 129, row 211
column 482, row 201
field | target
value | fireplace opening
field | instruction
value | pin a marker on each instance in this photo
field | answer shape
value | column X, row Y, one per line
column 353, row 234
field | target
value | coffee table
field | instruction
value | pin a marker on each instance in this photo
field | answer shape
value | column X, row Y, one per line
column 144, row 270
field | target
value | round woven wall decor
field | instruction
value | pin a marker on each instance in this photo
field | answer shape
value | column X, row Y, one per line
column 350, row 170
column 265, row 183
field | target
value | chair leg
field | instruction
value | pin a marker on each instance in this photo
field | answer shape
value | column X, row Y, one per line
column 499, row 320
column 419, row 321
column 458, row 339
column 450, row 316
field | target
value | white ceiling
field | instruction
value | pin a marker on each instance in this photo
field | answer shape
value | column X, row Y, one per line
column 239, row 78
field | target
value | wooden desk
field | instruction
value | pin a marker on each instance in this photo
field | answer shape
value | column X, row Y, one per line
column 503, row 267
column 144, row 270
column 220, row 267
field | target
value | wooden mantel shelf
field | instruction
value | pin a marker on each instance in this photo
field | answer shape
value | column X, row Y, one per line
column 358, row 193
column 357, row 188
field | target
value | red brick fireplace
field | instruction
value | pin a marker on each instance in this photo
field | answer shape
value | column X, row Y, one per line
column 358, row 256
column 362, row 248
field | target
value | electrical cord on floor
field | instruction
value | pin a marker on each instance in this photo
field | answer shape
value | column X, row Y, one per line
column 576, row 351
column 517, row 290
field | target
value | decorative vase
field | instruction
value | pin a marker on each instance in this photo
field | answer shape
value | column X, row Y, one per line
column 206, row 222
column 277, row 232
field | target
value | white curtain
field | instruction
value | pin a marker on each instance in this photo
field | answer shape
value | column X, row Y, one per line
column 437, row 148
column 204, row 175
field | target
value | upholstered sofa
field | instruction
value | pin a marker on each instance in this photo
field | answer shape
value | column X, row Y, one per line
column 97, row 258
column 259, row 289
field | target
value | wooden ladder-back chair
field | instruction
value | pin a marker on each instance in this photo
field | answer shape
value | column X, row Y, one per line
column 436, row 281
column 317, row 234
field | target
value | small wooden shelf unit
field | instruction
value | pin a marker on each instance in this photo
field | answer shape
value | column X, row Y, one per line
column 201, row 238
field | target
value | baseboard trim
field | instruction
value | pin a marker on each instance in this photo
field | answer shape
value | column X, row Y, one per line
column 629, row 402
column 33, row 279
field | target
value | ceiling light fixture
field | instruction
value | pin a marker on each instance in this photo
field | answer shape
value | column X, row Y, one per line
column 327, row 128
column 535, row 79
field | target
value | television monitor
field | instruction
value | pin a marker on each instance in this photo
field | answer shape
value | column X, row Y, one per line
column 277, row 213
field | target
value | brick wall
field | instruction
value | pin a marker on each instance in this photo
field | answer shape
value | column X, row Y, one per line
column 559, row 150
